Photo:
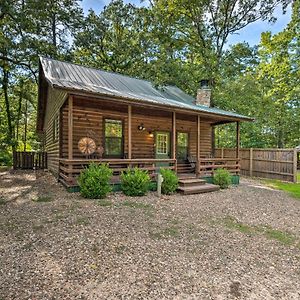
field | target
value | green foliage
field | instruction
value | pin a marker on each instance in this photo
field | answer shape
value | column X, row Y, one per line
column 94, row 181
column 170, row 182
column 222, row 178
column 168, row 42
column 135, row 182
column 5, row 158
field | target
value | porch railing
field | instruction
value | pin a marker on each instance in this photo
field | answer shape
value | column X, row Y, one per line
column 207, row 166
column 69, row 169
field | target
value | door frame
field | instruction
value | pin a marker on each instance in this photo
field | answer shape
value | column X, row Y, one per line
column 188, row 144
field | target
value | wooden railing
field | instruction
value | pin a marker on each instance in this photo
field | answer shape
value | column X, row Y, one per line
column 69, row 169
column 207, row 166
column 29, row 160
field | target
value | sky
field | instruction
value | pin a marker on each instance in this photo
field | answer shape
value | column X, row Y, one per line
column 250, row 34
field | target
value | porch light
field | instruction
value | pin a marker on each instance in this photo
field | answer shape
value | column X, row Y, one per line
column 151, row 134
column 141, row 127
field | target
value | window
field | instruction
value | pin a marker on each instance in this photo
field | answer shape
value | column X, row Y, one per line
column 55, row 128
column 162, row 143
column 113, row 131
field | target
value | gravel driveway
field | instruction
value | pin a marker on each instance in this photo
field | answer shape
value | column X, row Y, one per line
column 241, row 243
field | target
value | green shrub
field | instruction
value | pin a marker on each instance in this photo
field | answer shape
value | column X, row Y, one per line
column 135, row 182
column 222, row 178
column 94, row 181
column 5, row 158
column 170, row 182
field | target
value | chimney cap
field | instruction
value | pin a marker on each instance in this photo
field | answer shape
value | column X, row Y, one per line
column 204, row 84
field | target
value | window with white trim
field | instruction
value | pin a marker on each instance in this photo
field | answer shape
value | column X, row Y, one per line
column 162, row 143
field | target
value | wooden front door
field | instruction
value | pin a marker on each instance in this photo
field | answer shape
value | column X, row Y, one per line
column 162, row 144
column 182, row 146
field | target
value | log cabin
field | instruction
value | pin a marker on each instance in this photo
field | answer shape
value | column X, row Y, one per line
column 86, row 114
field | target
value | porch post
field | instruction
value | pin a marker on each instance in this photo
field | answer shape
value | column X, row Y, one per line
column 174, row 138
column 198, row 147
column 70, row 137
column 129, row 132
column 238, row 145
column 237, row 139
column 70, row 128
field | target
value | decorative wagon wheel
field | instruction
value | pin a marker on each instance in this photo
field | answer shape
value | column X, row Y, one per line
column 87, row 146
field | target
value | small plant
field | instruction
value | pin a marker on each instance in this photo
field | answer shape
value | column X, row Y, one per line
column 170, row 182
column 135, row 182
column 222, row 178
column 43, row 198
column 104, row 202
column 94, row 181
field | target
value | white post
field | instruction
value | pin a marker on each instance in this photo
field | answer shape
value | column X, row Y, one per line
column 160, row 179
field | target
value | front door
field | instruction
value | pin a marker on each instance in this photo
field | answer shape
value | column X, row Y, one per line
column 162, row 145
column 182, row 146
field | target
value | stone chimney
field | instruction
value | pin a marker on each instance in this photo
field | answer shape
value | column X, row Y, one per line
column 203, row 94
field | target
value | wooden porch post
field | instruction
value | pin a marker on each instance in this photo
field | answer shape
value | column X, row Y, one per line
column 238, row 146
column 237, row 139
column 70, row 137
column 129, row 132
column 174, row 138
column 70, row 128
column 198, row 147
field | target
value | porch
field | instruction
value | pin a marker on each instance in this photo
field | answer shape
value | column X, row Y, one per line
column 125, row 135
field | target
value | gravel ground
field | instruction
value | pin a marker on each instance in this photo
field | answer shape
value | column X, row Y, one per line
column 240, row 243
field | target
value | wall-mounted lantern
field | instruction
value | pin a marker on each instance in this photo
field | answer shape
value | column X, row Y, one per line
column 141, row 127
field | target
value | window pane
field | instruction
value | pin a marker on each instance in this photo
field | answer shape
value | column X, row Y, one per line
column 162, row 144
column 182, row 145
column 113, row 146
column 182, row 139
column 113, row 128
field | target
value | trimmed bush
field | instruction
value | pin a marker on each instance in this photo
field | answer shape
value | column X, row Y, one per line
column 94, row 181
column 170, row 182
column 222, row 178
column 135, row 182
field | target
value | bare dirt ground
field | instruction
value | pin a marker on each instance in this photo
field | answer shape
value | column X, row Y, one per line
column 240, row 243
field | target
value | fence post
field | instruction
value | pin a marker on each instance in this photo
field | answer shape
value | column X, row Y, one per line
column 295, row 166
column 222, row 152
column 251, row 162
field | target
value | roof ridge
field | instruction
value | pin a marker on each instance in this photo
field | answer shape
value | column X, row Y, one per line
column 109, row 72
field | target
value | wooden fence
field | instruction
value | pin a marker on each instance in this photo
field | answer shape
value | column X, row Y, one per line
column 266, row 163
column 30, row 160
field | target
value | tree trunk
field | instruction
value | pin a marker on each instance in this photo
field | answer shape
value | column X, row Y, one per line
column 19, row 111
column 10, row 127
column 25, row 126
column 53, row 28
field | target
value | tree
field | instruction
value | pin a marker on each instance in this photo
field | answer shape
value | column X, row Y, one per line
column 114, row 40
column 280, row 68
column 29, row 29
column 204, row 26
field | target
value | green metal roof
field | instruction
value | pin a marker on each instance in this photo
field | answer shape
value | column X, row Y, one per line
column 85, row 79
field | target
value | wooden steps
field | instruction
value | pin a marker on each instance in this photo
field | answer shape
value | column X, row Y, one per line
column 185, row 167
column 190, row 186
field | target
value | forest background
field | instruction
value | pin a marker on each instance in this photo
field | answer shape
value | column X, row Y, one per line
column 169, row 42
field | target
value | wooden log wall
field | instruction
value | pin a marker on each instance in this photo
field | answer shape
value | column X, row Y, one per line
column 265, row 163
column 56, row 98
column 88, row 119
